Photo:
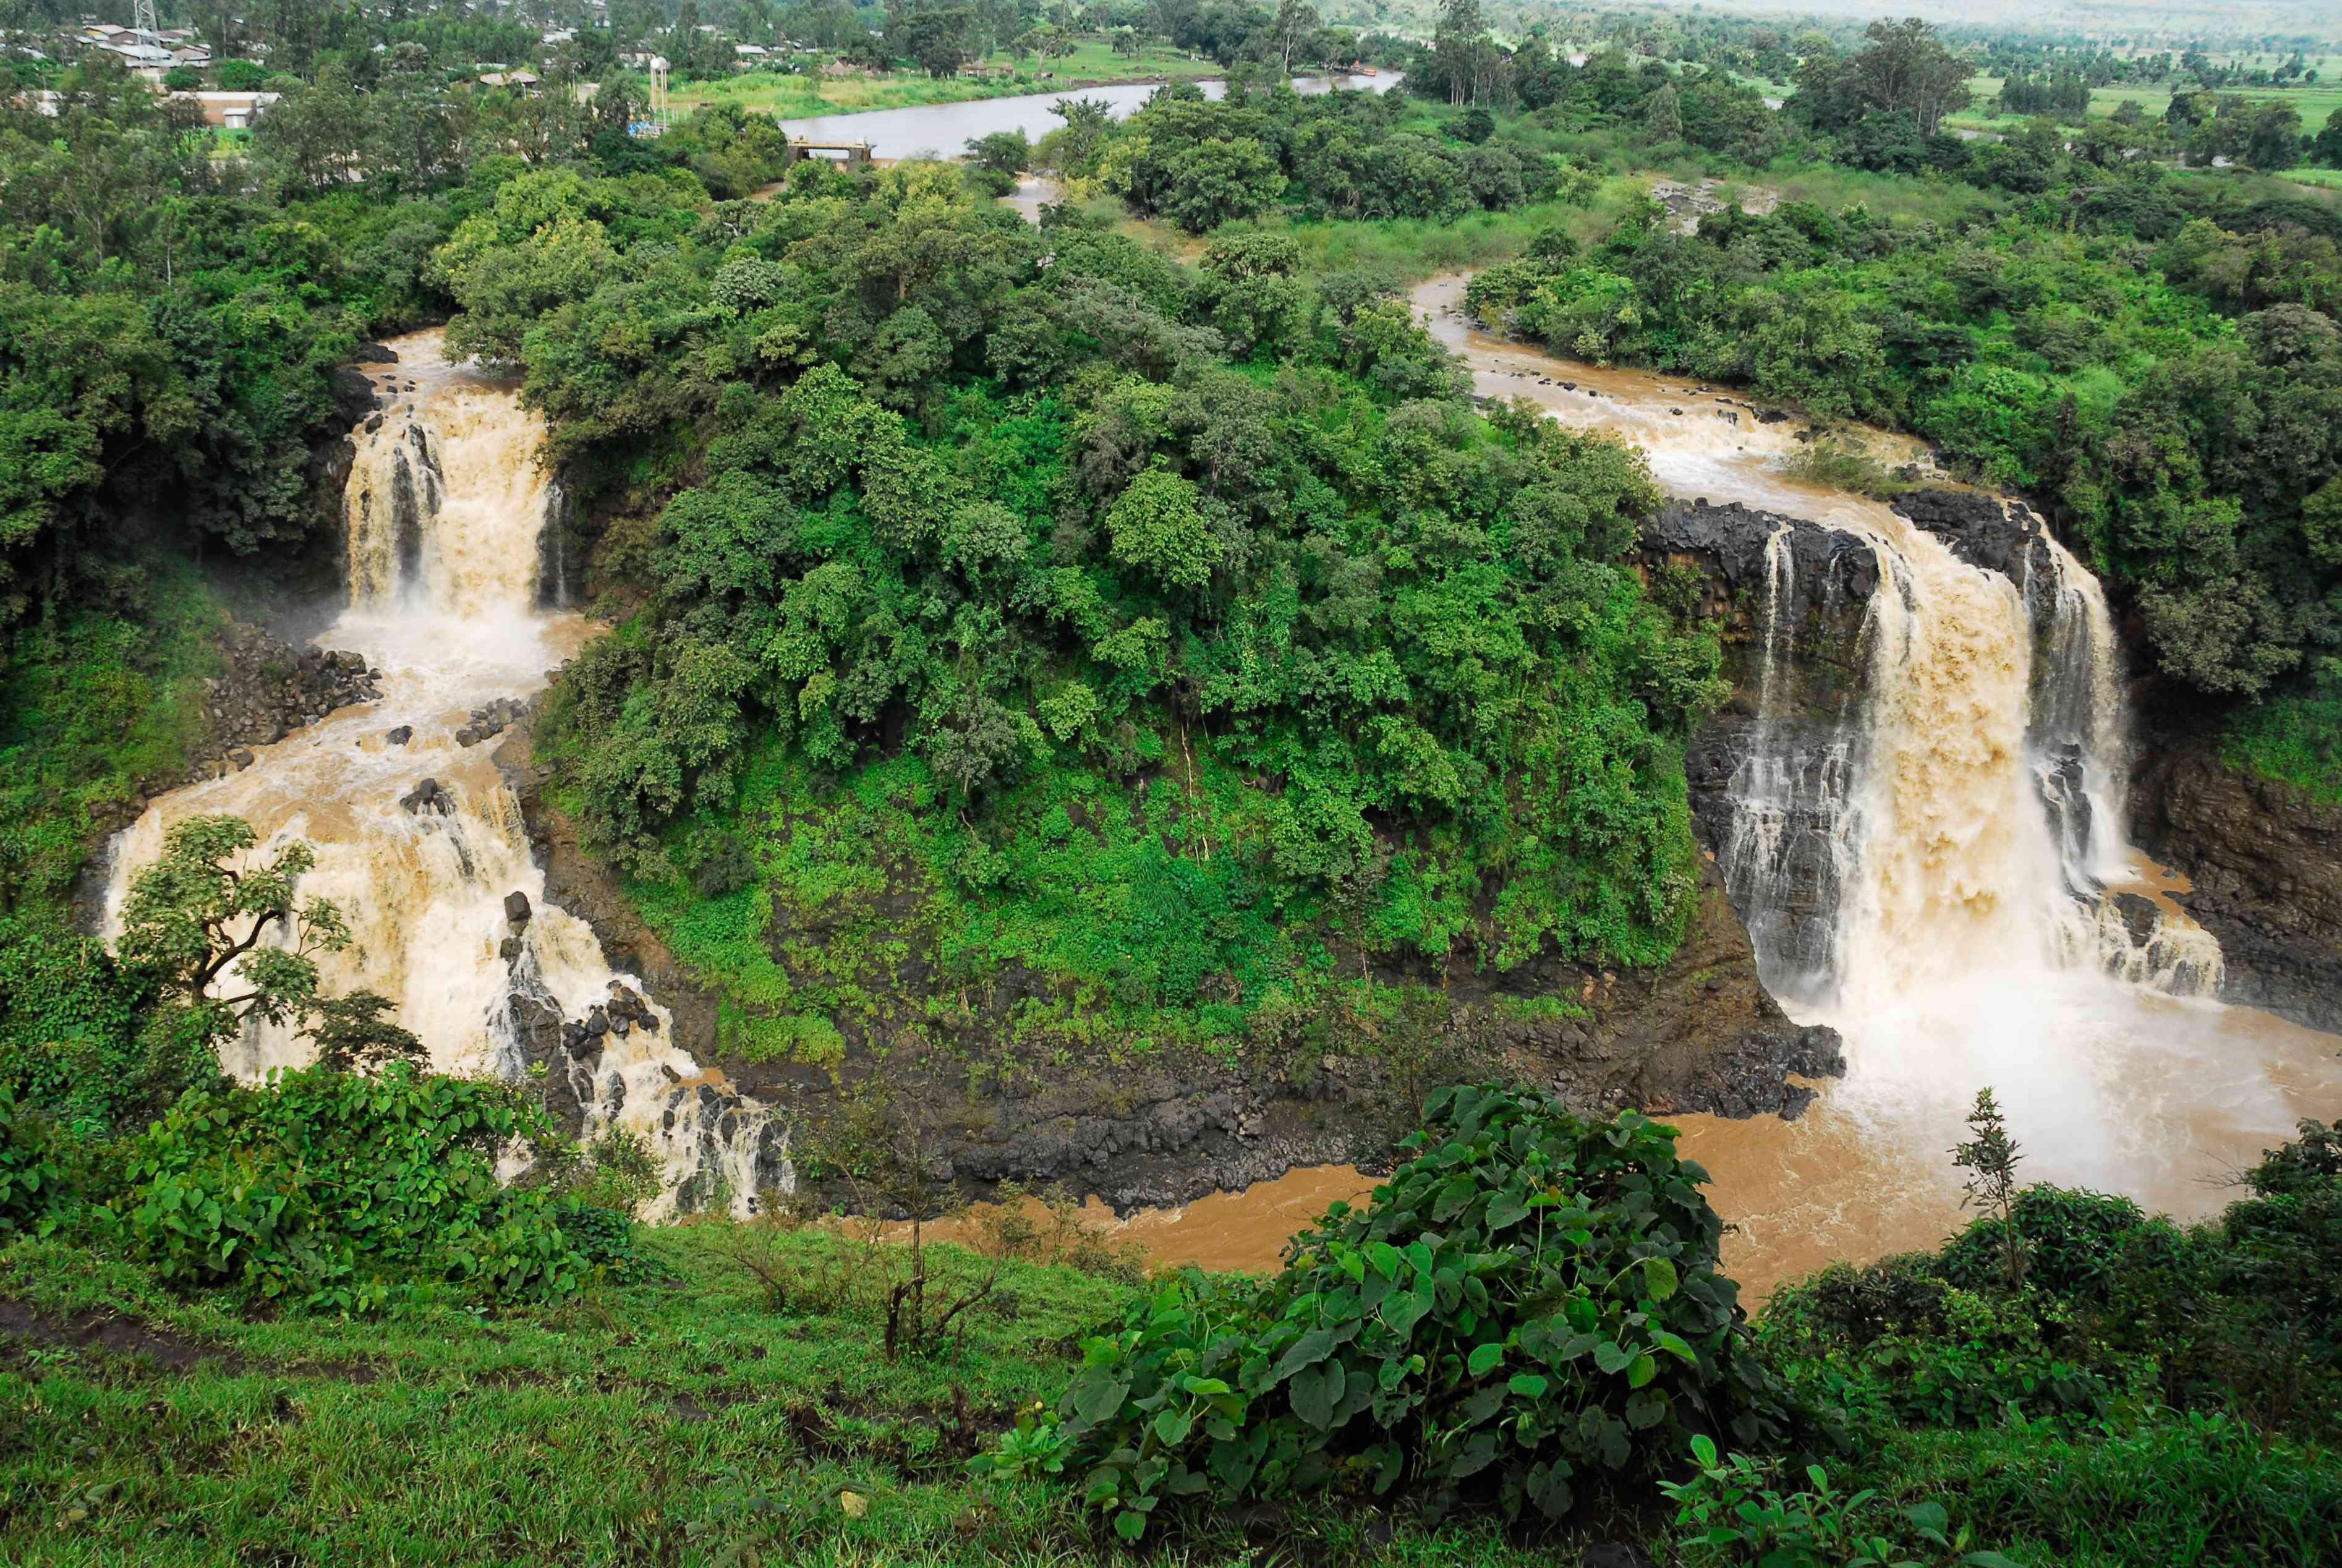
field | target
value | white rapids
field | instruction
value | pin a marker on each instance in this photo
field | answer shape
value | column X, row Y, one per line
column 450, row 559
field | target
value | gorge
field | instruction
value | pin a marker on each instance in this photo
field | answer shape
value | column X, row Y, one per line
column 1917, row 804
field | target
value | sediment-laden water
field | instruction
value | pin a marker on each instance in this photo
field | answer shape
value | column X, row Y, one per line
column 455, row 580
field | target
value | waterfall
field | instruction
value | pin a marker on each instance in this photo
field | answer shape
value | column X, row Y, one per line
column 1963, row 815
column 451, row 553
column 1917, row 810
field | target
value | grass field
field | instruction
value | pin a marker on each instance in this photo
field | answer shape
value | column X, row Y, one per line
column 2316, row 104
column 686, row 1422
column 794, row 96
column 2327, row 179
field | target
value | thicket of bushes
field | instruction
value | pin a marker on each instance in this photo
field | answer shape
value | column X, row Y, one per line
column 1528, row 1317
column 1529, row 1311
column 325, row 1190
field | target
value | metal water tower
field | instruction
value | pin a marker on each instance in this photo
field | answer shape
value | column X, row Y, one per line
column 658, row 84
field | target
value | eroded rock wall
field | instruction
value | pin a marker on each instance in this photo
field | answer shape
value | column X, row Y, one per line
column 2266, row 863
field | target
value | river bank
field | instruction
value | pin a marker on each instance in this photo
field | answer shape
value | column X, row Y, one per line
column 945, row 130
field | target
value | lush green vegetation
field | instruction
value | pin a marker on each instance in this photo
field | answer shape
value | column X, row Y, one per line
column 1530, row 1289
column 1021, row 634
column 1529, row 1312
column 1028, row 534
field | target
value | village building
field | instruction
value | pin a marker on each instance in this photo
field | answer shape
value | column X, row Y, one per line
column 231, row 111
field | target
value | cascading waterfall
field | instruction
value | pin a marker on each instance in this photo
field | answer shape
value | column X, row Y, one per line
column 1922, row 827
column 447, row 510
column 1969, row 810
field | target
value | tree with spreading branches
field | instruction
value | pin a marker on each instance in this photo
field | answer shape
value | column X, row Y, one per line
column 222, row 928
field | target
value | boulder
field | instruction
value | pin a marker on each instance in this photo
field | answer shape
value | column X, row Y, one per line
column 427, row 796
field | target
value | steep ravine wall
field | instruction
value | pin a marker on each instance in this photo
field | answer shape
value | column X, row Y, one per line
column 2265, row 865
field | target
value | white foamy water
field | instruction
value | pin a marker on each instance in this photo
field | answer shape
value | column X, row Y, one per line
column 1976, row 941
column 448, row 511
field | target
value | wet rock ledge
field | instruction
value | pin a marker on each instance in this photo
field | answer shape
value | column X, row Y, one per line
column 2266, row 862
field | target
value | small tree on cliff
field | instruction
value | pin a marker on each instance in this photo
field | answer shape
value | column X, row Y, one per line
column 355, row 1034
column 206, row 906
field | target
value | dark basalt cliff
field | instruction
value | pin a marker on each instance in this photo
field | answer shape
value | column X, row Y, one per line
column 1795, row 659
column 2266, row 862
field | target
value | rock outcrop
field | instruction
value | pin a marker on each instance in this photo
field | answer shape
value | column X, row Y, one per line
column 1791, row 600
column 2265, row 865
column 1166, row 1125
column 269, row 688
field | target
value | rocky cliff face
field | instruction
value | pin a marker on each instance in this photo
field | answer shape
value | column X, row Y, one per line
column 1770, row 775
column 2266, row 862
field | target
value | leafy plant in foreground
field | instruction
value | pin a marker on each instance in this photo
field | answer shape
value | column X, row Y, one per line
column 331, row 1190
column 1529, row 1306
column 1732, row 1515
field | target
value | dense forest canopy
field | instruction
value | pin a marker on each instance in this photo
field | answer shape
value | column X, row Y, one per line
column 1228, row 522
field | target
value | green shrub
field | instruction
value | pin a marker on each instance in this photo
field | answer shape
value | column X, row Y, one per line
column 1528, row 1308
column 30, row 1181
column 2076, row 1243
column 332, row 1190
column 2196, row 1488
column 1732, row 1514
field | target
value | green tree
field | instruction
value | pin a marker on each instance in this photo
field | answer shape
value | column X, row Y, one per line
column 1157, row 523
column 2328, row 146
column 1295, row 20
column 1003, row 153
column 318, row 136
column 1907, row 70
column 206, row 907
column 1218, row 182
column 1663, row 116
column 938, row 39
column 2275, row 142
column 1990, row 1157
column 354, row 1034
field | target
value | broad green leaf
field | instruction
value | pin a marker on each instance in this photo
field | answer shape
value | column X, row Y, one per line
column 1506, row 1209
column 1098, row 1399
column 1642, row 1371
column 1485, row 1357
column 1659, row 1278
column 1307, row 1351
column 1528, row 1386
